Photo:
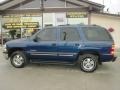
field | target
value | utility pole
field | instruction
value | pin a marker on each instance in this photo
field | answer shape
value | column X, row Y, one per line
column 1, row 36
column 42, row 10
column 21, row 22
column 66, row 12
column 103, row 2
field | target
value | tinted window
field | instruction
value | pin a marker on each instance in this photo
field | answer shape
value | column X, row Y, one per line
column 96, row 34
column 69, row 34
column 48, row 34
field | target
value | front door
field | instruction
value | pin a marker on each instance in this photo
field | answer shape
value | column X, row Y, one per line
column 45, row 48
column 69, row 44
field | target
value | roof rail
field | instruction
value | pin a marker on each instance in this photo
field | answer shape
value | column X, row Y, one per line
column 94, row 25
column 81, row 24
column 64, row 25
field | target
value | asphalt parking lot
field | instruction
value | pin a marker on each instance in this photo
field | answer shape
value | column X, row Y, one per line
column 58, row 77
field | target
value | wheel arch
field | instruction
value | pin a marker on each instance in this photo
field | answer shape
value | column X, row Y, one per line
column 12, row 50
column 93, row 52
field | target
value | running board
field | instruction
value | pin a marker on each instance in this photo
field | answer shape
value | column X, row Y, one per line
column 59, row 63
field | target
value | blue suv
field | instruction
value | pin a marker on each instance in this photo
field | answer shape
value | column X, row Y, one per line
column 84, row 45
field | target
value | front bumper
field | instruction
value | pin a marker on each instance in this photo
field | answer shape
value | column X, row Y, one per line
column 6, row 55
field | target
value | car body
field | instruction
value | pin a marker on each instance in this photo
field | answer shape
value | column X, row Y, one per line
column 86, row 45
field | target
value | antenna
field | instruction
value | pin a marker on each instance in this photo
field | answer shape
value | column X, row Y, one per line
column 103, row 2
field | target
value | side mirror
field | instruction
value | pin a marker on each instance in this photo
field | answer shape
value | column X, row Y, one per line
column 35, row 39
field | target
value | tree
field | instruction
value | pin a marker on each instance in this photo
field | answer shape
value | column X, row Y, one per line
column 12, row 33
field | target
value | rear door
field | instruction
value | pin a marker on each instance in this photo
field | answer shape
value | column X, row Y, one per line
column 69, row 44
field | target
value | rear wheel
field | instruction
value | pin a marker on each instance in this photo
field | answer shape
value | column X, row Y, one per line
column 88, row 62
column 18, row 59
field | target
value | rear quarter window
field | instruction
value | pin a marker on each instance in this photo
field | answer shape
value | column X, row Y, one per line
column 96, row 34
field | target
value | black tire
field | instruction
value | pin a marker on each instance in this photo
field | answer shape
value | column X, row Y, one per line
column 100, row 63
column 88, row 62
column 21, row 63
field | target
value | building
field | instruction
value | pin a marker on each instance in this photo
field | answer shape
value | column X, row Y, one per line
column 28, row 15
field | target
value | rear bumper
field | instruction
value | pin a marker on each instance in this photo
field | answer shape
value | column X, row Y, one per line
column 108, row 58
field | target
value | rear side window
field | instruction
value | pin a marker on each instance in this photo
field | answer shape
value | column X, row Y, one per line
column 96, row 34
column 69, row 34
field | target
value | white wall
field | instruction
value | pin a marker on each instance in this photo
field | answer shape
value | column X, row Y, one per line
column 78, row 21
column 48, row 18
column 108, row 21
column 60, row 19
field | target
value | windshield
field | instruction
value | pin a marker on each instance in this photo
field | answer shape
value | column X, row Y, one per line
column 34, row 35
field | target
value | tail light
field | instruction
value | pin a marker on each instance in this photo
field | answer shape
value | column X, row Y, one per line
column 112, row 50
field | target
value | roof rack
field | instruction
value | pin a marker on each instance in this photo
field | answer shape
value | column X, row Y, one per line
column 80, row 24
column 94, row 25
column 64, row 25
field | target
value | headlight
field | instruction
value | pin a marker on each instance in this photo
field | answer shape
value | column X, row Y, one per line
column 5, row 48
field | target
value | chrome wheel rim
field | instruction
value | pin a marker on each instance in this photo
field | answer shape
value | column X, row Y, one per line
column 88, row 64
column 18, row 60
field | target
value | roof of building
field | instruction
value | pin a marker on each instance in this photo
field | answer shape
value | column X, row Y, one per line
column 86, row 3
column 82, row 4
column 108, row 14
column 92, row 3
column 6, row 4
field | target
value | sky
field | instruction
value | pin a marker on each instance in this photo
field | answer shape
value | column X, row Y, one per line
column 113, row 5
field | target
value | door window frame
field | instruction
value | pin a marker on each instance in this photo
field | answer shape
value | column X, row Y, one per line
column 47, row 40
column 77, row 29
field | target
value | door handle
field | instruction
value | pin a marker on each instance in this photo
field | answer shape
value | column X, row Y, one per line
column 77, row 44
column 53, row 44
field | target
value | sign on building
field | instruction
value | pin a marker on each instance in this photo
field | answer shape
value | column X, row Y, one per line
column 18, row 25
column 76, row 15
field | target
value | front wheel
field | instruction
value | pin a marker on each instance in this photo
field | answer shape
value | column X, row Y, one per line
column 88, row 62
column 18, row 59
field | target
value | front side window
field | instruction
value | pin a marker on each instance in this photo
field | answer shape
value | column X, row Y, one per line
column 69, row 34
column 48, row 34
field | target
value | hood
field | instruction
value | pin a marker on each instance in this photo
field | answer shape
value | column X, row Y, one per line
column 18, row 41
